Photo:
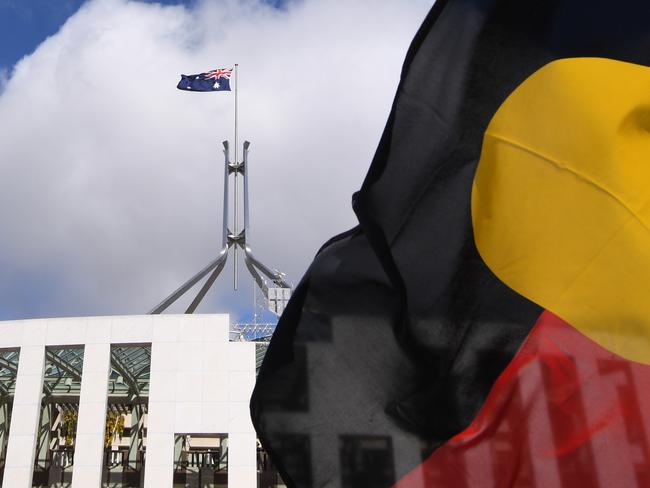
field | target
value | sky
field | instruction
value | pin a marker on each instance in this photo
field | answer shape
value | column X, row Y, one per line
column 111, row 179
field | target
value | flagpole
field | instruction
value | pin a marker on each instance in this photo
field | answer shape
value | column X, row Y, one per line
column 235, row 224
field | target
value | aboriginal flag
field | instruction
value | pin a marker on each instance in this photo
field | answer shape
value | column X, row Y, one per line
column 487, row 323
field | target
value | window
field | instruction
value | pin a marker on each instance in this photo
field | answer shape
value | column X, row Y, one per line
column 200, row 461
column 8, row 373
column 125, row 434
column 57, row 427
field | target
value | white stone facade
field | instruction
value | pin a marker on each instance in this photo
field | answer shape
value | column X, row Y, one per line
column 200, row 383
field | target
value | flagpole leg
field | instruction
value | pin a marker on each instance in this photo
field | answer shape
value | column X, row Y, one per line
column 236, row 231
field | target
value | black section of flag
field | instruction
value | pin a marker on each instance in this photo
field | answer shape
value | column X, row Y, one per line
column 419, row 327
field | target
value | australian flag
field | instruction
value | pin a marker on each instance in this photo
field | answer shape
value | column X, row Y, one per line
column 215, row 80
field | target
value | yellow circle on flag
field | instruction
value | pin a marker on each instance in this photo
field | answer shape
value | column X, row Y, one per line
column 561, row 198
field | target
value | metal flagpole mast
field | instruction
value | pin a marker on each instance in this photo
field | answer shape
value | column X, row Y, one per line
column 278, row 291
column 235, row 231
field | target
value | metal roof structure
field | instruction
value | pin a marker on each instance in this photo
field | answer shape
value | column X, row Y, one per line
column 254, row 332
column 130, row 371
column 129, row 377
column 8, row 372
column 260, row 352
column 62, row 376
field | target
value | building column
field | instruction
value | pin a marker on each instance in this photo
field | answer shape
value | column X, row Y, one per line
column 89, row 446
column 159, row 468
column 24, row 419
column 242, row 439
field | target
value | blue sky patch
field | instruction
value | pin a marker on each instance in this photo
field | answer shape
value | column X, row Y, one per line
column 24, row 24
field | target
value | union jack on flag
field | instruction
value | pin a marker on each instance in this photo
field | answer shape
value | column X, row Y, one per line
column 215, row 80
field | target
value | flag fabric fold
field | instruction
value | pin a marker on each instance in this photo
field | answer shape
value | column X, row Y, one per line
column 503, row 213
column 215, row 80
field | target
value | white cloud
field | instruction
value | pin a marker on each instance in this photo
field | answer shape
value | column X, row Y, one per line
column 111, row 179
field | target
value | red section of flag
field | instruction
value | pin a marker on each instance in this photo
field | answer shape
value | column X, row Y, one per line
column 219, row 73
column 565, row 413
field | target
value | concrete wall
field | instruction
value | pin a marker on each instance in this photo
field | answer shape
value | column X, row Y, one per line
column 200, row 383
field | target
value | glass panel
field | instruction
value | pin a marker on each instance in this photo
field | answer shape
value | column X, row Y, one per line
column 57, row 427
column 267, row 473
column 8, row 373
column 125, row 436
column 366, row 461
column 200, row 460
